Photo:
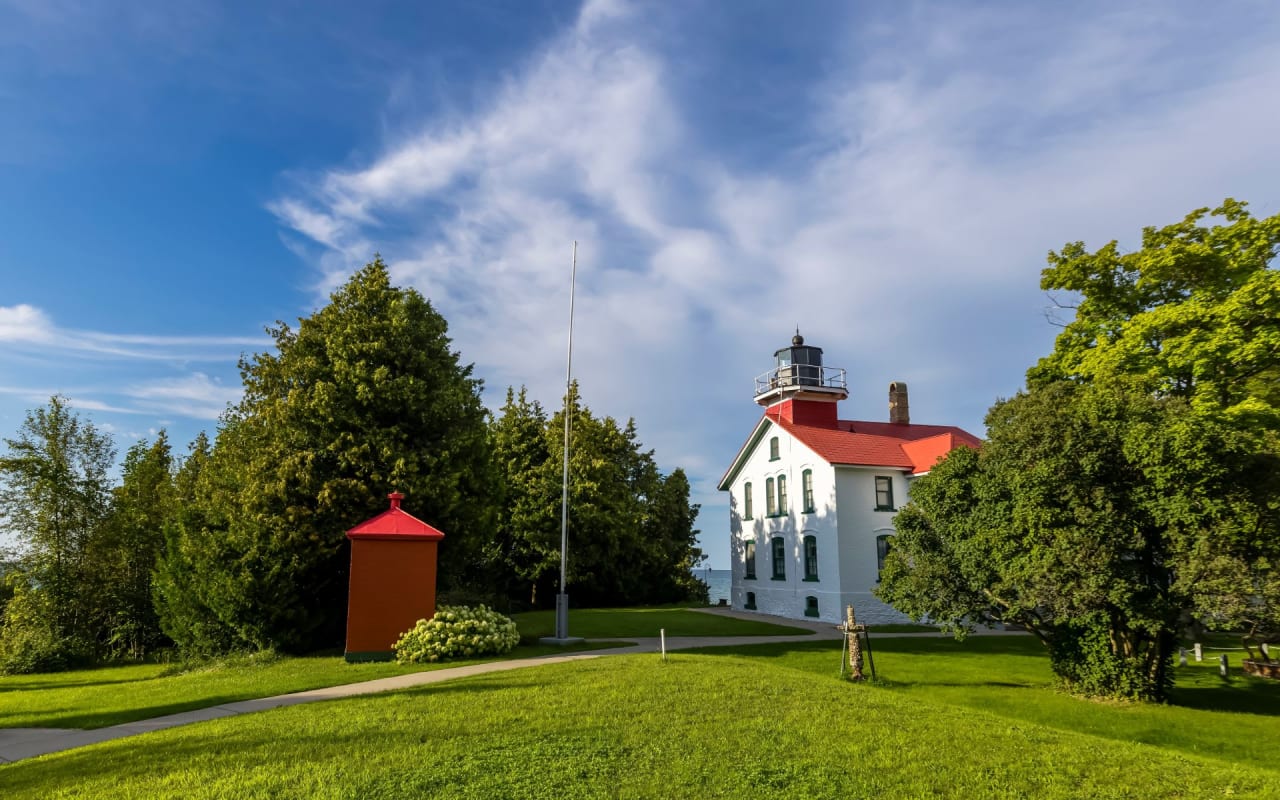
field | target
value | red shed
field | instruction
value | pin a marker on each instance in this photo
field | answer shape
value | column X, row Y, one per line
column 393, row 581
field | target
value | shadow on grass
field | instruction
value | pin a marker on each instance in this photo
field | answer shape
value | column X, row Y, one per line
column 1240, row 694
column 132, row 760
column 976, row 646
column 91, row 721
column 36, row 686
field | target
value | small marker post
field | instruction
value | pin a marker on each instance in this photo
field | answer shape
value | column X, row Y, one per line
column 662, row 637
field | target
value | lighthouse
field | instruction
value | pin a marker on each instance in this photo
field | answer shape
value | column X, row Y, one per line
column 800, row 388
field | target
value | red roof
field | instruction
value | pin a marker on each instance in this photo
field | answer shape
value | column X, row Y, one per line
column 394, row 524
column 912, row 448
column 881, row 444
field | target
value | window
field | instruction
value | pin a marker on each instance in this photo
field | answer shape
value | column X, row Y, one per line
column 770, row 502
column 751, row 601
column 806, row 490
column 882, row 551
column 810, row 558
column 746, row 500
column 773, row 449
column 811, row 606
column 782, row 494
column 779, row 559
column 750, row 552
column 884, row 493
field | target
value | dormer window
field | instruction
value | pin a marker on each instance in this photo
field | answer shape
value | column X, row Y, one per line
column 884, row 493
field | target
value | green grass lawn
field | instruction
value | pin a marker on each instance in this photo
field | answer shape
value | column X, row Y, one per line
column 96, row 698
column 978, row 719
column 106, row 696
column 1009, row 676
column 596, row 623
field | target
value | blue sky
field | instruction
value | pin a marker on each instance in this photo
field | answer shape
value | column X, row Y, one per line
column 175, row 176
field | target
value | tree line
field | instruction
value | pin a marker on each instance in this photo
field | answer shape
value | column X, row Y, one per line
column 1133, row 488
column 240, row 543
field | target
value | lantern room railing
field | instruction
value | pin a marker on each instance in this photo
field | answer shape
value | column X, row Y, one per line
column 801, row 375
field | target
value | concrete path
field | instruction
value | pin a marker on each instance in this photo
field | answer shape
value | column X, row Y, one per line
column 19, row 743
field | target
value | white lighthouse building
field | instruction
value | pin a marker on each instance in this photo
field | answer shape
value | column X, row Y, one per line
column 813, row 497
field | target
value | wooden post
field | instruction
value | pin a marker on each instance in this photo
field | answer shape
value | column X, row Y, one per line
column 855, row 645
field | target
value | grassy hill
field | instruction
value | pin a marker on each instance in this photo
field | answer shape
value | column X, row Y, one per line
column 946, row 720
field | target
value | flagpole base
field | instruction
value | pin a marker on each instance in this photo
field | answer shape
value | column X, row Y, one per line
column 562, row 636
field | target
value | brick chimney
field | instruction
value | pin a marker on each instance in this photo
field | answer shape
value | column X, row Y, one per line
column 899, row 414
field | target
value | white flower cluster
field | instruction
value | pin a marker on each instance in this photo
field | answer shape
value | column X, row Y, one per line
column 457, row 632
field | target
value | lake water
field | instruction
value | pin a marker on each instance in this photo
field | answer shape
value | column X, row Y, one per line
column 719, row 582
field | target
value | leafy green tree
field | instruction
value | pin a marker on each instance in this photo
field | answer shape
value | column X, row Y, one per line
column 1136, row 481
column 362, row 398
column 123, row 557
column 1082, row 518
column 1194, row 313
column 54, row 497
column 1086, row 517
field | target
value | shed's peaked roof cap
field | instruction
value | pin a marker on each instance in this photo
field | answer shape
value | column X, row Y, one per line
column 394, row 523
column 912, row 448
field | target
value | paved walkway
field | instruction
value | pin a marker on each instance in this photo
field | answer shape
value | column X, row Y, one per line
column 19, row 743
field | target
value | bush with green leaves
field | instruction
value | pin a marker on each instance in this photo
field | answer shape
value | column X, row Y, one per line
column 457, row 632
column 29, row 639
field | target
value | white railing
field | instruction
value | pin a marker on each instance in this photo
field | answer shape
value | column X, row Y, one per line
column 801, row 375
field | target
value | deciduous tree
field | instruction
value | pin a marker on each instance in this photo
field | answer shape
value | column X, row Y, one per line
column 1194, row 313
column 54, row 497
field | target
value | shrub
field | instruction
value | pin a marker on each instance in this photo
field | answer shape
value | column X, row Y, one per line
column 457, row 632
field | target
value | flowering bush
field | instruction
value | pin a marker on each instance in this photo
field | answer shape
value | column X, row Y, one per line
column 457, row 632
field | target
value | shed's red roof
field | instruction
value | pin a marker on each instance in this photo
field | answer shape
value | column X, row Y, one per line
column 394, row 524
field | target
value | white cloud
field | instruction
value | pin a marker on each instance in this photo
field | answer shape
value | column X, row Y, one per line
column 195, row 395
column 29, row 327
column 941, row 156
column 24, row 323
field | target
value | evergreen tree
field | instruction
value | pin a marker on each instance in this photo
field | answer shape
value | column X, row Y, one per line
column 525, row 550
column 122, row 560
column 630, row 531
column 363, row 398
column 196, row 575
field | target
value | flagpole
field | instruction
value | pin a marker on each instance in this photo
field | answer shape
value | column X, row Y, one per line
column 562, row 599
